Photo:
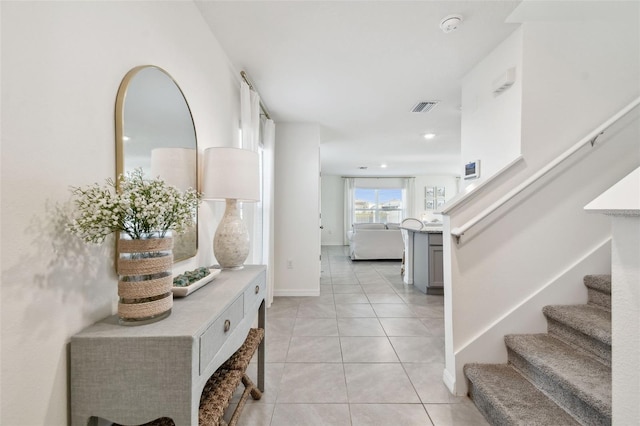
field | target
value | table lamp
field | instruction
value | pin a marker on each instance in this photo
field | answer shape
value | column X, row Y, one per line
column 231, row 174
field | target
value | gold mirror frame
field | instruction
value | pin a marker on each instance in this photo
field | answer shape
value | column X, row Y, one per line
column 185, row 245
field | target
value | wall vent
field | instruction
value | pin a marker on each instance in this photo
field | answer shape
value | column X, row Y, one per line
column 424, row 106
column 505, row 81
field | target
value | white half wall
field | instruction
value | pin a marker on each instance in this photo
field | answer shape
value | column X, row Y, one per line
column 297, row 210
column 62, row 64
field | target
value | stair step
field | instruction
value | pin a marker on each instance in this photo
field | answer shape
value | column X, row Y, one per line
column 575, row 381
column 585, row 326
column 599, row 290
column 505, row 397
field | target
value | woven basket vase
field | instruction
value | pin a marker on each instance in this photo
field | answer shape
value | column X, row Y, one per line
column 144, row 280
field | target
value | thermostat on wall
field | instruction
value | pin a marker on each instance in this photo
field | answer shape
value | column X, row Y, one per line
column 472, row 170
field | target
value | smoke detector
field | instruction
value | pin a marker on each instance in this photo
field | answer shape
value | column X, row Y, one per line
column 450, row 23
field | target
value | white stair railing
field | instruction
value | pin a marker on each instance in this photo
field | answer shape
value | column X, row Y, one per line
column 590, row 138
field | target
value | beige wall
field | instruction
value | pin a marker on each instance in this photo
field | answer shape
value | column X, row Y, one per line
column 62, row 63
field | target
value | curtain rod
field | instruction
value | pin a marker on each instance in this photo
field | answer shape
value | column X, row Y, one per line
column 262, row 105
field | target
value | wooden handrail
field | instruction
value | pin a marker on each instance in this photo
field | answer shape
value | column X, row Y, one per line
column 590, row 138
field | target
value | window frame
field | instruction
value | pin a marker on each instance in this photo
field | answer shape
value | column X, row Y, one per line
column 377, row 212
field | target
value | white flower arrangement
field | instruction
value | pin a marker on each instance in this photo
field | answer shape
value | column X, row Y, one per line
column 134, row 206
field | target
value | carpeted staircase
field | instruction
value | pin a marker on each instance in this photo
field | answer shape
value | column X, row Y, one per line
column 559, row 378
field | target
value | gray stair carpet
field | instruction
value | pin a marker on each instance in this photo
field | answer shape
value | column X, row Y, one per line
column 587, row 327
column 599, row 290
column 574, row 380
column 558, row 378
column 506, row 398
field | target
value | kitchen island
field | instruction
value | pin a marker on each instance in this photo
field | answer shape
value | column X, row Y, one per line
column 424, row 259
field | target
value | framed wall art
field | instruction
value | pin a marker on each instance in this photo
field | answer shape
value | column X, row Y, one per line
column 429, row 204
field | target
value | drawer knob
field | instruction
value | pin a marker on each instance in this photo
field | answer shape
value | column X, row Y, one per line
column 257, row 289
column 227, row 325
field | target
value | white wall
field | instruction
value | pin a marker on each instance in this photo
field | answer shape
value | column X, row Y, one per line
column 332, row 210
column 297, row 210
column 450, row 184
column 62, row 63
column 575, row 75
column 490, row 127
column 333, row 203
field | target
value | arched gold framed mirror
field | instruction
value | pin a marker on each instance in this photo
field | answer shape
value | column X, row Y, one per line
column 155, row 132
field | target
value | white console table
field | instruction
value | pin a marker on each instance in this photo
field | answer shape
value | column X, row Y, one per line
column 135, row 374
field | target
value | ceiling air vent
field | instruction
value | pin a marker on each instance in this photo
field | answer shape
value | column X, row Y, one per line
column 424, row 106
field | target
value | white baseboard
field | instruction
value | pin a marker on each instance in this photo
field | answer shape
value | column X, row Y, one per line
column 295, row 293
column 449, row 381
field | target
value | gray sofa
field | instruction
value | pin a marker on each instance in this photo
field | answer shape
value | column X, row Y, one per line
column 375, row 241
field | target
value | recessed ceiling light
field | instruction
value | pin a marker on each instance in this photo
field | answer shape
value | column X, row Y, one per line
column 126, row 138
column 429, row 136
column 384, row 166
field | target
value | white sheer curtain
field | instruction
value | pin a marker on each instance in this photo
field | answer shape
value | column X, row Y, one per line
column 268, row 169
column 260, row 215
column 249, row 117
column 250, row 126
column 349, row 215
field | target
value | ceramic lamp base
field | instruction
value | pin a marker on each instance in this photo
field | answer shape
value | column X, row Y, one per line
column 231, row 242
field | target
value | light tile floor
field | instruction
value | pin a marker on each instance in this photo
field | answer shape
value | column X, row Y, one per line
column 368, row 351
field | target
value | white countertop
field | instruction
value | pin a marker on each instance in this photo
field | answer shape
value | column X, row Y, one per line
column 427, row 229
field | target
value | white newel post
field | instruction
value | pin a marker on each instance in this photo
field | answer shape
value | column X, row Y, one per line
column 622, row 203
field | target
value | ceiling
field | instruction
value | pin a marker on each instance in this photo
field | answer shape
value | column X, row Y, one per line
column 357, row 68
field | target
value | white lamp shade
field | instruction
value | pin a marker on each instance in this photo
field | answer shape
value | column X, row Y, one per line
column 231, row 173
column 175, row 166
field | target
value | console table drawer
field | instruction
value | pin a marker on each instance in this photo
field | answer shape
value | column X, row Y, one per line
column 253, row 293
column 215, row 336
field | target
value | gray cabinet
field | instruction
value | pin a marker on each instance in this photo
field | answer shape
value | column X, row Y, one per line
column 427, row 262
column 436, row 273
